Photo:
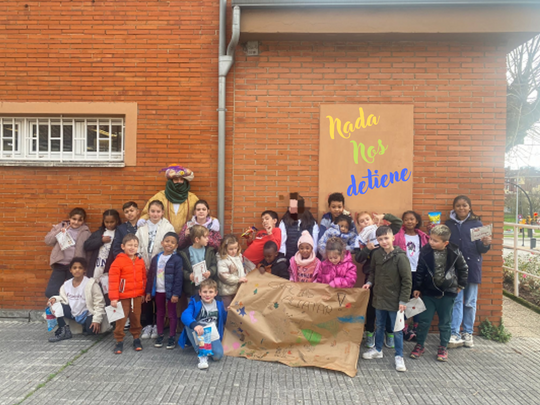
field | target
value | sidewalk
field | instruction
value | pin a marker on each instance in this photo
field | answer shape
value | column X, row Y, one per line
column 84, row 370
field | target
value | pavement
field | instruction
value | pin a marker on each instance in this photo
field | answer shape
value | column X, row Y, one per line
column 83, row 370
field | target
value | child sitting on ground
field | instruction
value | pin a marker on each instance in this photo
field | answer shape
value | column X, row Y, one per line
column 336, row 206
column 274, row 262
column 391, row 280
column 338, row 270
column 127, row 283
column 81, row 299
column 341, row 229
column 304, row 267
column 165, row 284
column 254, row 253
column 198, row 252
column 441, row 274
column 204, row 310
column 231, row 271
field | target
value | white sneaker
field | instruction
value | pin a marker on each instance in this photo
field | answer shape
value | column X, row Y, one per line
column 455, row 341
column 203, row 362
column 126, row 326
column 400, row 364
column 153, row 333
column 146, row 332
column 467, row 339
column 372, row 354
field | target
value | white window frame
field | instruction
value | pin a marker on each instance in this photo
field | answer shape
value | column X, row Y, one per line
column 26, row 134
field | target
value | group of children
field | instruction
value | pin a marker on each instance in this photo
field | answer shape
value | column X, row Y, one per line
column 146, row 268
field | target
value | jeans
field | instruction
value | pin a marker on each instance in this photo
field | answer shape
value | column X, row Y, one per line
column 67, row 314
column 217, row 347
column 465, row 309
column 379, row 332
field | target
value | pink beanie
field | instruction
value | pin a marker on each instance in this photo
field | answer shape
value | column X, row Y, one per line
column 306, row 238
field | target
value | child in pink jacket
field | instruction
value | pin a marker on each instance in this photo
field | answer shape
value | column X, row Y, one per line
column 304, row 267
column 337, row 270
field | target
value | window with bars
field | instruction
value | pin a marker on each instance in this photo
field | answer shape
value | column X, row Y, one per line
column 61, row 139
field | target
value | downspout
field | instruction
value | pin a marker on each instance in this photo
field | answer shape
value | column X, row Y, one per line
column 226, row 60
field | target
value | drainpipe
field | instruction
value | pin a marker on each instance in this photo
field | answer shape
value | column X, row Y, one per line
column 226, row 60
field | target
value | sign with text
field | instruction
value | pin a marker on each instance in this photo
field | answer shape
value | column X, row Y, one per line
column 366, row 153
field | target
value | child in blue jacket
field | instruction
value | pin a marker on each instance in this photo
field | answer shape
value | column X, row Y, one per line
column 165, row 279
column 203, row 311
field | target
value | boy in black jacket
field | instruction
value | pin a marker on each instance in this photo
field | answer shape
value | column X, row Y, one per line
column 274, row 262
column 441, row 274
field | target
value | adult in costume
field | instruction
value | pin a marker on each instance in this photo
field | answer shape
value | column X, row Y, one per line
column 176, row 198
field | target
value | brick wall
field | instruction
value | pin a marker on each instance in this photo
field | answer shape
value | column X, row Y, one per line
column 163, row 55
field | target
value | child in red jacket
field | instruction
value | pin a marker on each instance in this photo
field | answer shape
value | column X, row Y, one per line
column 127, row 283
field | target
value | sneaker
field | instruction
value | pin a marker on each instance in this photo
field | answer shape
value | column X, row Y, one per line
column 159, row 341
column 62, row 333
column 137, row 346
column 455, row 341
column 153, row 333
column 442, row 354
column 389, row 340
column 119, row 348
column 400, row 364
column 417, row 351
column 467, row 339
column 370, row 339
column 146, row 332
column 372, row 354
column 127, row 325
column 203, row 362
column 171, row 344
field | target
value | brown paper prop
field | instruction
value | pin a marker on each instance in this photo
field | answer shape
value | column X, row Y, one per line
column 297, row 324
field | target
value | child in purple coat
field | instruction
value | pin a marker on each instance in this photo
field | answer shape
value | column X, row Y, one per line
column 337, row 270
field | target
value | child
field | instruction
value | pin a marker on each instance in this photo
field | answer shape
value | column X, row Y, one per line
column 391, row 280
column 411, row 239
column 337, row 270
column 198, row 252
column 201, row 216
column 131, row 212
column 204, row 309
column 336, row 205
column 274, row 262
column 440, row 276
column 462, row 220
column 363, row 257
column 127, row 283
column 304, row 267
column 150, row 234
column 81, row 300
column 165, row 284
column 60, row 259
column 99, row 246
column 297, row 219
column 231, row 271
column 254, row 253
column 341, row 229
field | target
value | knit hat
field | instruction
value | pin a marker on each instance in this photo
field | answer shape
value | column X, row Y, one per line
column 178, row 171
column 306, row 238
column 173, row 234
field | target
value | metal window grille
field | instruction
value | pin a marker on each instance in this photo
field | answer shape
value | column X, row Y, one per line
column 62, row 139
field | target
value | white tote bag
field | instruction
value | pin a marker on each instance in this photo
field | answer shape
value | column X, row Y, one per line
column 400, row 321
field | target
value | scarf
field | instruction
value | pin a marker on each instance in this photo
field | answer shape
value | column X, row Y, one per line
column 177, row 193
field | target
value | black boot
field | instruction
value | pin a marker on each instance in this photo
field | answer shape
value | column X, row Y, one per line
column 62, row 333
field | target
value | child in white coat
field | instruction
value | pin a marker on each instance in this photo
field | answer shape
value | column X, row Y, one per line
column 231, row 271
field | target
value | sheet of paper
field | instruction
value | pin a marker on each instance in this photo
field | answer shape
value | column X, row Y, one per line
column 414, row 307
column 368, row 234
column 400, row 321
column 104, row 281
column 64, row 240
column 114, row 314
column 198, row 270
column 480, row 232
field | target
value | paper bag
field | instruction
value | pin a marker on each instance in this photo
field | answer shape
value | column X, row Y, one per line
column 414, row 307
column 114, row 314
column 400, row 321
column 57, row 310
column 298, row 324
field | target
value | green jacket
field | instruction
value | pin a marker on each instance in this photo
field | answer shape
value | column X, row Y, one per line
column 390, row 278
column 211, row 264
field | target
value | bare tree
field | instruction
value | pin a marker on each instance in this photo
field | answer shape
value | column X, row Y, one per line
column 523, row 98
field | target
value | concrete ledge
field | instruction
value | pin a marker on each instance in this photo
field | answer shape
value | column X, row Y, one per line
column 21, row 315
column 521, row 301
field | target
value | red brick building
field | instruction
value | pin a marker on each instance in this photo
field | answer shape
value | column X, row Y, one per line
column 153, row 66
